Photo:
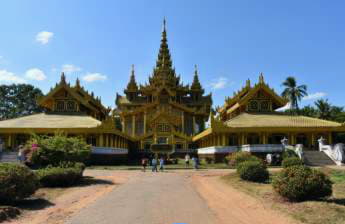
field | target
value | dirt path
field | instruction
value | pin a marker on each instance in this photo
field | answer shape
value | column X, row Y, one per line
column 149, row 198
column 73, row 200
column 234, row 207
column 156, row 198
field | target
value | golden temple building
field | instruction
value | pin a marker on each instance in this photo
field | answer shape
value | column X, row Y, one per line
column 249, row 117
column 166, row 116
column 164, row 111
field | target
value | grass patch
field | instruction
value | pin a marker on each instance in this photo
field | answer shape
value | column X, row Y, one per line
column 328, row 211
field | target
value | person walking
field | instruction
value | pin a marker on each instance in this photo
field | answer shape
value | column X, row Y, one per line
column 154, row 165
column 186, row 159
column 21, row 156
column 161, row 164
column 195, row 162
column 144, row 164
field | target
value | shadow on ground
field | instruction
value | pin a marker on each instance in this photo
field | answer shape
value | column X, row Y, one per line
column 88, row 181
column 34, row 204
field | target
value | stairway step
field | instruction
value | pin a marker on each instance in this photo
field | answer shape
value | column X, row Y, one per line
column 317, row 158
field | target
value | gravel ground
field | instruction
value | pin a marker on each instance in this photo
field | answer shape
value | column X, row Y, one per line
column 149, row 198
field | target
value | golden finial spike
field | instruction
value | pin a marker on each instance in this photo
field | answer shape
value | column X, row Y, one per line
column 164, row 24
column 248, row 83
column 261, row 78
column 63, row 77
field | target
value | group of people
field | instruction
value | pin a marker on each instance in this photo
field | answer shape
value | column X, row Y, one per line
column 195, row 161
column 154, row 162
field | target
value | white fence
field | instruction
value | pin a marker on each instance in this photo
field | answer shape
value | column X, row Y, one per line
column 109, row 151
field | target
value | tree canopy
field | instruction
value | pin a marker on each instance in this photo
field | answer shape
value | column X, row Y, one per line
column 18, row 100
column 293, row 92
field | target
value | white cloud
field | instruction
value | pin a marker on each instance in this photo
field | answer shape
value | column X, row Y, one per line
column 9, row 77
column 315, row 96
column 69, row 68
column 44, row 37
column 219, row 83
column 92, row 77
column 35, row 74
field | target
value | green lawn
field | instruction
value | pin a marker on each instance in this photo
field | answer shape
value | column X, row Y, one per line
column 329, row 211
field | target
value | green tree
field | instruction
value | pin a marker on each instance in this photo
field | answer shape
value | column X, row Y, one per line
column 18, row 100
column 308, row 111
column 293, row 92
column 324, row 109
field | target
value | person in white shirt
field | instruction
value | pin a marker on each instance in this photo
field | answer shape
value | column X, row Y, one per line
column 186, row 159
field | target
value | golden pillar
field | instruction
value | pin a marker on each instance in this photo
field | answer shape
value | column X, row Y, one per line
column 182, row 117
column 144, row 122
column 224, row 139
column 243, row 136
column 100, row 140
column 133, row 125
column 9, row 141
column 293, row 138
column 106, row 140
column 264, row 138
column 313, row 142
column 330, row 138
column 194, row 125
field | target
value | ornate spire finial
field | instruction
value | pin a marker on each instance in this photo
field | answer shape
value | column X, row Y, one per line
column 196, row 83
column 248, row 83
column 164, row 24
column 132, row 84
column 63, row 78
column 77, row 83
column 261, row 78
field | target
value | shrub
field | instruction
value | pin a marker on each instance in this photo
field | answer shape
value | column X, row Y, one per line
column 239, row 157
column 288, row 154
column 299, row 183
column 292, row 161
column 254, row 171
column 67, row 174
column 8, row 212
column 209, row 160
column 16, row 182
column 52, row 150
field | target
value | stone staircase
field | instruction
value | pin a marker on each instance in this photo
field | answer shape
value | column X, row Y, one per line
column 317, row 158
column 9, row 157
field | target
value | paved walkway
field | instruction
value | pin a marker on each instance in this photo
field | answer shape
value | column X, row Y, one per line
column 149, row 198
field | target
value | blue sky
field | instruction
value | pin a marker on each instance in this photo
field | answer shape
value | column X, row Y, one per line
column 230, row 41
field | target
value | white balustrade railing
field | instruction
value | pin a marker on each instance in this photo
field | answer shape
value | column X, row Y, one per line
column 109, row 151
column 267, row 148
column 336, row 152
column 218, row 149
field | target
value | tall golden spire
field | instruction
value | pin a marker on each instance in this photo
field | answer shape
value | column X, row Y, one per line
column 63, row 78
column 132, row 84
column 196, row 86
column 164, row 58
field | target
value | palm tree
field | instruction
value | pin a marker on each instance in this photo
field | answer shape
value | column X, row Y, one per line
column 324, row 109
column 293, row 93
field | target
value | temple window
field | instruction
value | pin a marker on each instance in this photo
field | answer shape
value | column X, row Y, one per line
column 71, row 106
column 265, row 105
column 60, row 105
column 253, row 105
